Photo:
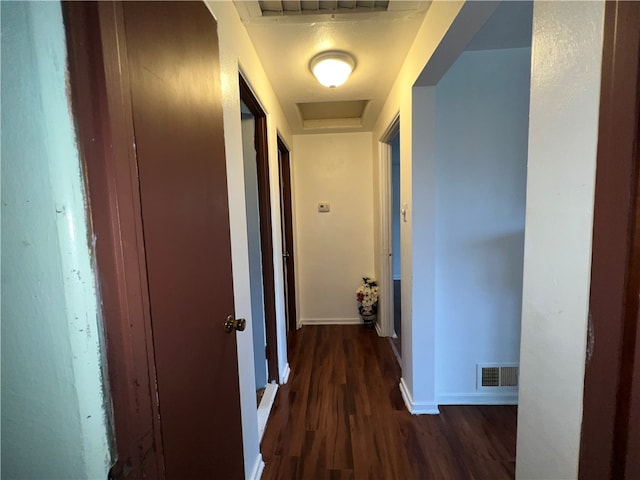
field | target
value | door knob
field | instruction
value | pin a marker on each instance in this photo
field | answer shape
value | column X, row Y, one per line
column 232, row 324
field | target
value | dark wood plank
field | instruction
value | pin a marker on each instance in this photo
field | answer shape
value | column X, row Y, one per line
column 341, row 416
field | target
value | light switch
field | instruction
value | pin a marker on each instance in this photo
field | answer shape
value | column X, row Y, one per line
column 324, row 207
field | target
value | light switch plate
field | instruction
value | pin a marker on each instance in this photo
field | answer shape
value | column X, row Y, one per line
column 324, row 207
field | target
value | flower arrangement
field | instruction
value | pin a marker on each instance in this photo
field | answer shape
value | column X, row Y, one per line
column 367, row 296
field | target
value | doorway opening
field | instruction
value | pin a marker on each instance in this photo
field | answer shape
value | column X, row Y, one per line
column 286, row 216
column 478, row 112
column 255, row 249
column 261, row 270
column 395, row 242
column 392, row 275
column 463, row 201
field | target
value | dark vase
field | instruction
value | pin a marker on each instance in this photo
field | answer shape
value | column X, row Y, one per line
column 370, row 317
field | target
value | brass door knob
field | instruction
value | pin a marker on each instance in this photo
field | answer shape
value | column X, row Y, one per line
column 238, row 324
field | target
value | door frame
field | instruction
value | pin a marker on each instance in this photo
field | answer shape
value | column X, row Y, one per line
column 612, row 372
column 266, row 226
column 286, row 216
column 385, row 201
column 104, row 125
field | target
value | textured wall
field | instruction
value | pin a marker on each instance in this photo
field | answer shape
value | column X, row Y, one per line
column 53, row 404
column 563, row 129
column 335, row 249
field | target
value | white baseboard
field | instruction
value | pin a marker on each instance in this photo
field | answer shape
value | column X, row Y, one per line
column 264, row 409
column 416, row 408
column 258, row 467
column 330, row 321
column 510, row 398
column 284, row 378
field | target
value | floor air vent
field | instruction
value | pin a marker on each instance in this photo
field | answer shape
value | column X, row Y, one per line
column 497, row 375
column 509, row 376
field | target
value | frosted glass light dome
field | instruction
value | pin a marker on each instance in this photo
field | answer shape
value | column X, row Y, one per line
column 332, row 69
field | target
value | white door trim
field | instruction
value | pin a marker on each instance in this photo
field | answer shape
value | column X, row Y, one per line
column 385, row 258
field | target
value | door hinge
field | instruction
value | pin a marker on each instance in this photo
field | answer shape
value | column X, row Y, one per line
column 266, row 352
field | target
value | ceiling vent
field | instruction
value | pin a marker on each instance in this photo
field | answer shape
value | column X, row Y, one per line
column 305, row 7
column 304, row 10
column 497, row 375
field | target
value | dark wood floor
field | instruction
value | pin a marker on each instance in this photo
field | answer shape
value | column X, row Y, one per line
column 341, row 416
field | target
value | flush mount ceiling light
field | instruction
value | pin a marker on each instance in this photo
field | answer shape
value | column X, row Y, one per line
column 332, row 68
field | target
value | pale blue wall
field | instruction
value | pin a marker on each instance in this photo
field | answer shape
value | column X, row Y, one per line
column 482, row 106
column 53, row 416
column 255, row 248
column 395, row 205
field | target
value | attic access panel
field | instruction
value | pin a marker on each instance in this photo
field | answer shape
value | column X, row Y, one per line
column 332, row 114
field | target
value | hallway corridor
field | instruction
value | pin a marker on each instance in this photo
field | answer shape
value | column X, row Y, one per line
column 341, row 416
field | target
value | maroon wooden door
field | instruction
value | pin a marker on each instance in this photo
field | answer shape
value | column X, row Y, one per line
column 610, row 443
column 286, row 217
column 177, row 119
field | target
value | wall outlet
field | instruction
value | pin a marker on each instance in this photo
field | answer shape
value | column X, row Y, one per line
column 324, row 207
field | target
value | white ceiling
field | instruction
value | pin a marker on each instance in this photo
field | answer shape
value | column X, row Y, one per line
column 379, row 42
column 286, row 41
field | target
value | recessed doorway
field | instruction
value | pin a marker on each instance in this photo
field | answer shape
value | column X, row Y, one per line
column 260, row 243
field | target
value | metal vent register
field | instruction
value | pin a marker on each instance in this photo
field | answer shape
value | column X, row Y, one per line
column 497, row 376
column 289, row 7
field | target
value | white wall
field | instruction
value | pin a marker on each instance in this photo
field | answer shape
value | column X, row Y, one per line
column 436, row 23
column 335, row 249
column 446, row 29
column 54, row 421
column 565, row 94
column 237, row 53
column 567, row 44
column 418, row 183
column 482, row 121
